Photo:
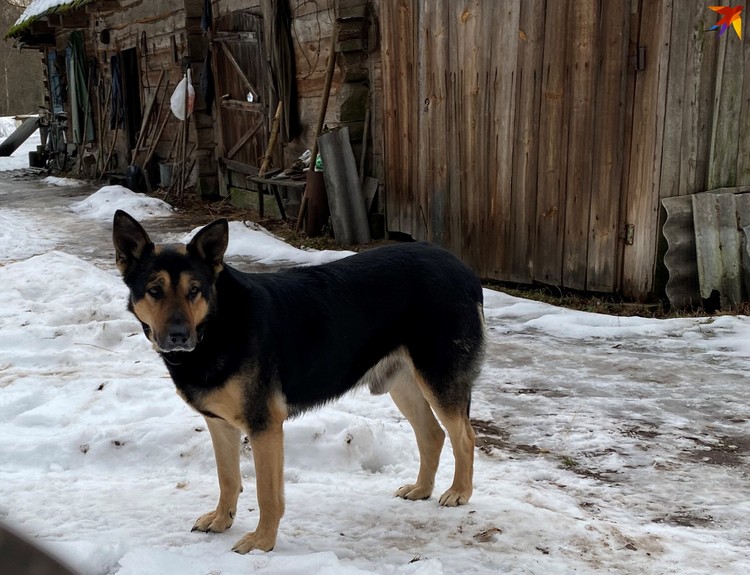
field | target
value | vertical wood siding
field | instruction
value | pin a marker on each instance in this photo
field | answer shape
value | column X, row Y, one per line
column 519, row 134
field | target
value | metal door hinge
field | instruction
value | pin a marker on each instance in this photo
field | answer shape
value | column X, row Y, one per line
column 638, row 60
column 629, row 234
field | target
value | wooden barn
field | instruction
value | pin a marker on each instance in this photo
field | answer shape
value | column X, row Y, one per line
column 540, row 140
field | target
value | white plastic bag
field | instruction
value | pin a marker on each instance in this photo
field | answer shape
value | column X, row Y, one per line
column 177, row 101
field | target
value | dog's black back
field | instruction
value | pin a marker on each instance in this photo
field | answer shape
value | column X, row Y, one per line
column 316, row 331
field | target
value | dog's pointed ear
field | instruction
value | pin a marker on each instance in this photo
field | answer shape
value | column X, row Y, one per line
column 210, row 243
column 130, row 239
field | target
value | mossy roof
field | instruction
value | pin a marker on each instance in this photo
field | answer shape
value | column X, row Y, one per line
column 39, row 9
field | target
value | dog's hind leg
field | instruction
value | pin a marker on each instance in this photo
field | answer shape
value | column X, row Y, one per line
column 455, row 418
column 226, row 442
column 430, row 436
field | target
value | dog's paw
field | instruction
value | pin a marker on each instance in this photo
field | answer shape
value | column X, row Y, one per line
column 255, row 540
column 414, row 492
column 214, row 522
column 454, row 498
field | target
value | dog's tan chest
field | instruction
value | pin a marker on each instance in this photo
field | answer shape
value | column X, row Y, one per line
column 226, row 402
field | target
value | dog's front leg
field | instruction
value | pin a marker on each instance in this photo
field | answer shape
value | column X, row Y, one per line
column 226, row 441
column 268, row 456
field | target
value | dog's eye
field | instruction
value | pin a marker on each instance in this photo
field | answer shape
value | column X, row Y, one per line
column 193, row 292
column 155, row 292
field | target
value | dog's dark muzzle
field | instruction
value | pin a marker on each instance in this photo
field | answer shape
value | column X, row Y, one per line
column 178, row 336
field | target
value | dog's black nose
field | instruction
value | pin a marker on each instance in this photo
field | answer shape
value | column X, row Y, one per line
column 179, row 335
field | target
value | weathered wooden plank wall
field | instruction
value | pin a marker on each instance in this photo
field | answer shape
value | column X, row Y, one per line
column 642, row 203
column 583, row 25
column 527, row 96
column 550, row 213
column 703, row 79
column 603, row 261
column 400, row 108
column 500, row 73
column 506, row 95
column 435, row 154
column 520, row 135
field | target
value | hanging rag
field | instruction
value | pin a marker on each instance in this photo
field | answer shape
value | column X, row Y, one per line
column 207, row 83
column 93, row 72
column 207, row 16
column 82, row 122
column 57, row 86
column 117, row 109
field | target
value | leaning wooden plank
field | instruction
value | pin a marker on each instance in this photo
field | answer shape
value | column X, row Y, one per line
column 312, row 227
column 19, row 136
column 348, row 214
column 272, row 140
column 147, row 118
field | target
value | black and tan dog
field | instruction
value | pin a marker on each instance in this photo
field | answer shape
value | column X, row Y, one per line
column 249, row 351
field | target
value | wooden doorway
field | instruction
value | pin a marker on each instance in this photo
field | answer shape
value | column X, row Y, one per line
column 242, row 118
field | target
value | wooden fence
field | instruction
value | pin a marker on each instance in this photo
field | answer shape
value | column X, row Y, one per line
column 536, row 138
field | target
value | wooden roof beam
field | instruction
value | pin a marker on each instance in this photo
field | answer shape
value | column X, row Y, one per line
column 40, row 27
column 103, row 6
column 74, row 20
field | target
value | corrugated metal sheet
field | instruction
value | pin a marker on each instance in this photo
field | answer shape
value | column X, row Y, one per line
column 345, row 198
column 682, row 287
column 707, row 238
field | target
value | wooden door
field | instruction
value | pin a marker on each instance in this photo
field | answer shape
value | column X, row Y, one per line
column 239, row 65
column 504, row 133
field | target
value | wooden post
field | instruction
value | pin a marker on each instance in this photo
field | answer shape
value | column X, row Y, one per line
column 185, row 137
column 365, row 135
column 272, row 139
column 147, row 117
column 321, row 117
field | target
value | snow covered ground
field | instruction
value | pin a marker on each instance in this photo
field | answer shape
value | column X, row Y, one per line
column 605, row 444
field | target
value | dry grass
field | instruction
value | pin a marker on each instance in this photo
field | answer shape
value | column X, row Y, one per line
column 610, row 304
